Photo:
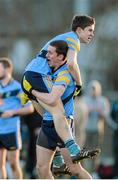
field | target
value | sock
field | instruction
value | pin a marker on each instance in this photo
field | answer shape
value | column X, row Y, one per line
column 72, row 147
column 58, row 159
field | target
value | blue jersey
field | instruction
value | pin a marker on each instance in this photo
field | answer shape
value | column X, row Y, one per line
column 9, row 95
column 63, row 77
column 39, row 64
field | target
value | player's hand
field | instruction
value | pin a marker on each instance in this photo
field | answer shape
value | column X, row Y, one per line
column 77, row 90
column 7, row 114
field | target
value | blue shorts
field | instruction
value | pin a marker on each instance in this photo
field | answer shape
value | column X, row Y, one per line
column 36, row 81
column 48, row 137
column 10, row 141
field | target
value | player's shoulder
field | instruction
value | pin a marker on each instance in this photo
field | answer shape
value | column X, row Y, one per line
column 64, row 35
column 72, row 35
column 63, row 70
column 73, row 41
column 65, row 74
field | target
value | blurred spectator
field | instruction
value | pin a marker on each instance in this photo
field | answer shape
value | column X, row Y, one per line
column 10, row 111
column 33, row 123
column 98, row 108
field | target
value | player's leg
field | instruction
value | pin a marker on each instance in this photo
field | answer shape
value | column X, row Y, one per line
column 3, row 173
column 45, row 149
column 66, row 135
column 38, row 107
column 44, row 159
column 58, row 112
column 14, row 160
column 75, row 169
column 60, row 120
column 62, row 127
column 59, row 166
column 13, row 155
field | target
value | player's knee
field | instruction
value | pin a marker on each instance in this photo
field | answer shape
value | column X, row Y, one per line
column 2, row 165
column 13, row 166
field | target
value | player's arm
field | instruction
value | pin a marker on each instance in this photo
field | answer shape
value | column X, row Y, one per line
column 52, row 97
column 26, row 109
column 73, row 66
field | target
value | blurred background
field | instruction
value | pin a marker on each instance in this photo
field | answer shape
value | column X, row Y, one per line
column 26, row 25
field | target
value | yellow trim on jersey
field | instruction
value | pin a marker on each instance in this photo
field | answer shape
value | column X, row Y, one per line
column 27, row 86
column 75, row 42
column 63, row 78
column 73, row 46
column 24, row 98
column 62, row 72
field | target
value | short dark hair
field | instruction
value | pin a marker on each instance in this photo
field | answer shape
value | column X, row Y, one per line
column 6, row 62
column 61, row 47
column 82, row 21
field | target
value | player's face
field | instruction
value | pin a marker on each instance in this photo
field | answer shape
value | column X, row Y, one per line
column 86, row 34
column 52, row 56
column 2, row 72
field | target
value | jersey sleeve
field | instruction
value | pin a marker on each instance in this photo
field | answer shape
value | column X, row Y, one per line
column 62, row 79
column 73, row 44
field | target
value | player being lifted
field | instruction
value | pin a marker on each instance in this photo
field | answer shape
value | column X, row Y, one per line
column 38, row 77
